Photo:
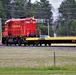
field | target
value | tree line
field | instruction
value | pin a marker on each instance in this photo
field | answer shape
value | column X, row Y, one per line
column 67, row 18
column 22, row 8
column 66, row 21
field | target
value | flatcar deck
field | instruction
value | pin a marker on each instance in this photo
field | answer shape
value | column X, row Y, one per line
column 53, row 39
column 61, row 38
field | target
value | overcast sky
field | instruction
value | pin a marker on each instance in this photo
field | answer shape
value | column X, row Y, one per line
column 55, row 3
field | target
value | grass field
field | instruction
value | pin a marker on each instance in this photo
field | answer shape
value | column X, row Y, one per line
column 36, row 61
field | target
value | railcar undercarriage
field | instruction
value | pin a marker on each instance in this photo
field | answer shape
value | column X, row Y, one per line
column 36, row 41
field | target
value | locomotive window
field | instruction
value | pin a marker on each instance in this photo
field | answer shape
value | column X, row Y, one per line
column 9, row 23
column 27, row 22
column 33, row 22
column 3, row 28
column 22, row 21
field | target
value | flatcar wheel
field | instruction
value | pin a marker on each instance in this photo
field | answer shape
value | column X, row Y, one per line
column 10, row 44
column 28, row 44
column 45, row 44
column 36, row 43
column 33, row 44
column 15, row 44
column 49, row 44
column 40, row 44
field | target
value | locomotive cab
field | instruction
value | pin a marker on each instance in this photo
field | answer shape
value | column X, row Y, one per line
column 30, row 27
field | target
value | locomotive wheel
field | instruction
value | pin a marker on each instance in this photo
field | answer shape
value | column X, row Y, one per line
column 24, row 44
column 6, row 44
column 19, row 44
column 3, row 40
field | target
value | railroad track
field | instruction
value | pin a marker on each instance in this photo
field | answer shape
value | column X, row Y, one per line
column 42, row 47
column 53, row 46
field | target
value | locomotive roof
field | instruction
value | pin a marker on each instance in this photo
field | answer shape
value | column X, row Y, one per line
column 13, row 19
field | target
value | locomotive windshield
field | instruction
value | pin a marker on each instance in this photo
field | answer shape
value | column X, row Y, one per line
column 30, row 22
column 9, row 23
column 27, row 22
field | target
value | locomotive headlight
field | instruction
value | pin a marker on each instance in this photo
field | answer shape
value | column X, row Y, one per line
column 6, row 29
column 16, row 26
column 19, row 26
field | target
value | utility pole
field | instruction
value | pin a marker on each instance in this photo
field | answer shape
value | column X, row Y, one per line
column 48, row 27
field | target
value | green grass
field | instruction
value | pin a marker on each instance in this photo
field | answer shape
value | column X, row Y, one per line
column 40, row 61
column 37, row 71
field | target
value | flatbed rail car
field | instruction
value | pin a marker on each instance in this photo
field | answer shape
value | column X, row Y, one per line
column 39, row 41
column 49, row 40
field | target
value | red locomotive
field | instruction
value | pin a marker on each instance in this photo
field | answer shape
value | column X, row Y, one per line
column 15, row 29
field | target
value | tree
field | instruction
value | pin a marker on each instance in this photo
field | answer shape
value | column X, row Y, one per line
column 17, row 8
column 68, row 12
column 68, row 9
column 2, row 13
column 24, row 8
column 29, row 9
column 44, row 29
column 43, row 9
column 6, row 7
column 62, row 29
column 72, row 27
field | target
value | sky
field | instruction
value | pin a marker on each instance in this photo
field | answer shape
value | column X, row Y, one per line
column 55, row 4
